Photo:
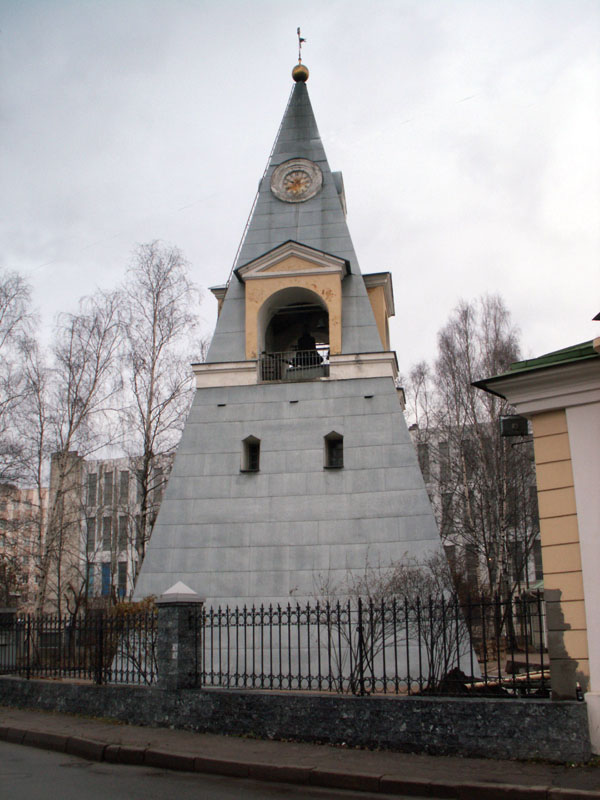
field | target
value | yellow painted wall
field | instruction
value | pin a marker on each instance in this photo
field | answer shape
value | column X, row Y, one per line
column 561, row 557
column 377, row 297
column 327, row 286
column 290, row 264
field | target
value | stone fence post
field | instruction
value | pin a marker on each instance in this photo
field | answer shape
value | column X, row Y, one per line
column 178, row 610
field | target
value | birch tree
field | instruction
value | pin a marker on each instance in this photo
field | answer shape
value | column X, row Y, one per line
column 161, row 316
column 82, row 392
column 481, row 482
column 15, row 323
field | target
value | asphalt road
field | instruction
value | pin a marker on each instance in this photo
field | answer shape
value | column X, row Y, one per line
column 27, row 773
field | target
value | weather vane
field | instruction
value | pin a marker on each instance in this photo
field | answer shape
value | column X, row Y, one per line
column 300, row 41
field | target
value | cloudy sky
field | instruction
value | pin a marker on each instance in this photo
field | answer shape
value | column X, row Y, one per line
column 468, row 132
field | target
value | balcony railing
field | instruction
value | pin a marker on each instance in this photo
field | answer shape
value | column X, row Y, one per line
column 294, row 365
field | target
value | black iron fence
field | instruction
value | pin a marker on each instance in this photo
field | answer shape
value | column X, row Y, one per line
column 102, row 646
column 403, row 647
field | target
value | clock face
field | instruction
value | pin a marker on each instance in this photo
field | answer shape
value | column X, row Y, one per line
column 296, row 180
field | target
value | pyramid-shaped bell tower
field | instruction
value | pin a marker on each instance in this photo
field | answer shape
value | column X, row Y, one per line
column 295, row 466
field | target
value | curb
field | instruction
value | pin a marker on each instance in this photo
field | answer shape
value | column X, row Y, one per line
column 166, row 760
column 280, row 773
column 338, row 779
column 556, row 793
column 93, row 750
column 46, row 741
column 390, row 784
column 86, row 748
column 222, row 766
column 501, row 791
column 117, row 754
column 13, row 735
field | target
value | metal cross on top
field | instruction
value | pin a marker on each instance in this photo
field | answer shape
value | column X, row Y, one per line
column 300, row 40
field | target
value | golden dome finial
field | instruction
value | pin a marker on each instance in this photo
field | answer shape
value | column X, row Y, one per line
column 300, row 71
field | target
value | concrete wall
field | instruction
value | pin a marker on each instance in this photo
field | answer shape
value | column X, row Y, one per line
column 520, row 729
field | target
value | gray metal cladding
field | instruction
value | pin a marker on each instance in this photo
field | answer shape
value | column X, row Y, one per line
column 278, row 533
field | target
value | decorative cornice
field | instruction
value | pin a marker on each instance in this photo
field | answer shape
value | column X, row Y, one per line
column 384, row 279
column 320, row 263
column 218, row 291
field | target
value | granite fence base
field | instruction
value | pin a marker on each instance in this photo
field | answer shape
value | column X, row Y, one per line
column 519, row 729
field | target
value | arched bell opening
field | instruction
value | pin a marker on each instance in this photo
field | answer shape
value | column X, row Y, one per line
column 293, row 331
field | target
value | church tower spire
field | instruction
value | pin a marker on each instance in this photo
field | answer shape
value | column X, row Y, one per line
column 295, row 463
column 301, row 200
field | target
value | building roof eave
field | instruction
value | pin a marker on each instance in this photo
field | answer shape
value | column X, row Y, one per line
column 549, row 386
column 557, row 359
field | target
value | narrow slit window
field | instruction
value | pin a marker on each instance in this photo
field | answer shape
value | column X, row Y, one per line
column 334, row 451
column 251, row 454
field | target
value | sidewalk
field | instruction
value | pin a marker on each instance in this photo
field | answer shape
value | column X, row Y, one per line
column 299, row 763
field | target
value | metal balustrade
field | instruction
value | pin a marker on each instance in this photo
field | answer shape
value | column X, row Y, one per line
column 294, row 365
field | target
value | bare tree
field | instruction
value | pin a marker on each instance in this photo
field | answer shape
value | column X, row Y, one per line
column 199, row 349
column 31, row 425
column 81, row 387
column 11, row 577
column 160, row 319
column 480, row 482
column 15, row 323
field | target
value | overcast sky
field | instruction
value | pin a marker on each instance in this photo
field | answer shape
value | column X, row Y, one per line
column 468, row 133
